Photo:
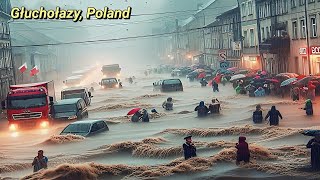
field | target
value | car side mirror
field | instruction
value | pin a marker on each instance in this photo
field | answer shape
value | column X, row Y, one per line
column 3, row 105
column 153, row 83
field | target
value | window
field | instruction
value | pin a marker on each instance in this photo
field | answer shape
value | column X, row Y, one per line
column 302, row 28
column 285, row 6
column 251, row 38
column 294, row 30
column 311, row 1
column 268, row 32
column 301, row 2
column 262, row 34
column 243, row 9
column 313, row 27
column 293, row 3
column 245, row 35
column 250, row 8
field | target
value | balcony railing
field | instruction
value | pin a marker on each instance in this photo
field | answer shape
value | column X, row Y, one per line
column 276, row 44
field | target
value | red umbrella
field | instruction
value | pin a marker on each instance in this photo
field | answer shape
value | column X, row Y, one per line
column 202, row 75
column 301, row 77
column 133, row 111
column 273, row 80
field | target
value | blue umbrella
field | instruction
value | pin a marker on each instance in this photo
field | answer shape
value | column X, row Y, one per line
column 288, row 81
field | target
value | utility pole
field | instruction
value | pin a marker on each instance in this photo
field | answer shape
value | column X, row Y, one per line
column 204, row 39
column 307, row 35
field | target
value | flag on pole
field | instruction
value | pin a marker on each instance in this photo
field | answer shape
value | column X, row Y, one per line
column 34, row 71
column 23, row 68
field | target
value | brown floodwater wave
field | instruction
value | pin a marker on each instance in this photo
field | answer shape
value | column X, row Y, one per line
column 60, row 139
column 261, row 159
column 268, row 133
column 120, row 106
column 4, row 168
column 147, row 96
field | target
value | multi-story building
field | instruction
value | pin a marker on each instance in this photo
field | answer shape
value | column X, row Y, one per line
column 224, row 35
column 193, row 31
column 7, row 76
column 250, row 34
column 273, row 34
column 297, row 28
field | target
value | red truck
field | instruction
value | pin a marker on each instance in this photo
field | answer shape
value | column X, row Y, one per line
column 28, row 105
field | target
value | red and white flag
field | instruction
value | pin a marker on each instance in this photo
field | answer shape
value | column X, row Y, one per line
column 34, row 71
column 23, row 68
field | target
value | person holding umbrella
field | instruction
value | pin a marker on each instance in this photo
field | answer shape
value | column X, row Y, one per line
column 308, row 107
column 137, row 116
column 314, row 145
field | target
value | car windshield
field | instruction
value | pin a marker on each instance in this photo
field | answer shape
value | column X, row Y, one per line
column 26, row 102
column 109, row 81
column 65, row 108
column 171, row 81
column 77, row 128
column 74, row 95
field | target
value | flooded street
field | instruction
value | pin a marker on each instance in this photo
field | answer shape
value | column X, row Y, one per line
column 145, row 150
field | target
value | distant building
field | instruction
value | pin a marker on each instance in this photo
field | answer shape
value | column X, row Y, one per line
column 44, row 57
column 7, row 76
column 224, row 35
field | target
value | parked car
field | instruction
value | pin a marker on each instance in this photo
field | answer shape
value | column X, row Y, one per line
column 168, row 85
column 69, row 109
column 86, row 128
column 77, row 92
column 109, row 83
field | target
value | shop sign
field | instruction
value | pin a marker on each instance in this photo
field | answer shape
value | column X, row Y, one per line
column 303, row 51
column 315, row 49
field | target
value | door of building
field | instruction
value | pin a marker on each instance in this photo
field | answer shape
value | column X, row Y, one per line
column 296, row 65
column 305, row 66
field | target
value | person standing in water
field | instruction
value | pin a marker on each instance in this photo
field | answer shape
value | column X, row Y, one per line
column 202, row 109
column 168, row 104
column 40, row 162
column 308, row 107
column 243, row 153
column 273, row 116
column 189, row 150
column 314, row 144
column 257, row 115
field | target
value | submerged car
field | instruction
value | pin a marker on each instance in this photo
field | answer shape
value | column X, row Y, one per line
column 86, row 128
column 70, row 109
column 168, row 85
column 109, row 83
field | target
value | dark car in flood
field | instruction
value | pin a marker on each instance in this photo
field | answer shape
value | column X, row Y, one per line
column 70, row 109
column 109, row 83
column 168, row 85
column 86, row 128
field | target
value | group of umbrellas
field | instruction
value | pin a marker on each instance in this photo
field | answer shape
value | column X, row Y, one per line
column 284, row 78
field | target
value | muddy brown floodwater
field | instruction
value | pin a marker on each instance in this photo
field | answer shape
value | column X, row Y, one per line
column 154, row 150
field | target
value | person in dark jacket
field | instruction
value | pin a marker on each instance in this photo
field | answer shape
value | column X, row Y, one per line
column 168, row 104
column 243, row 153
column 136, row 117
column 202, row 109
column 189, row 150
column 145, row 116
column 203, row 82
column 314, row 144
column 257, row 115
column 215, row 86
column 308, row 107
column 273, row 116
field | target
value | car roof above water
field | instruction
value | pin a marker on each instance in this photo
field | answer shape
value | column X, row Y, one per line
column 74, row 88
column 67, row 101
column 87, row 122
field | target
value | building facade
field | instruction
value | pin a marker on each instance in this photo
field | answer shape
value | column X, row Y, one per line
column 7, row 75
column 250, row 34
